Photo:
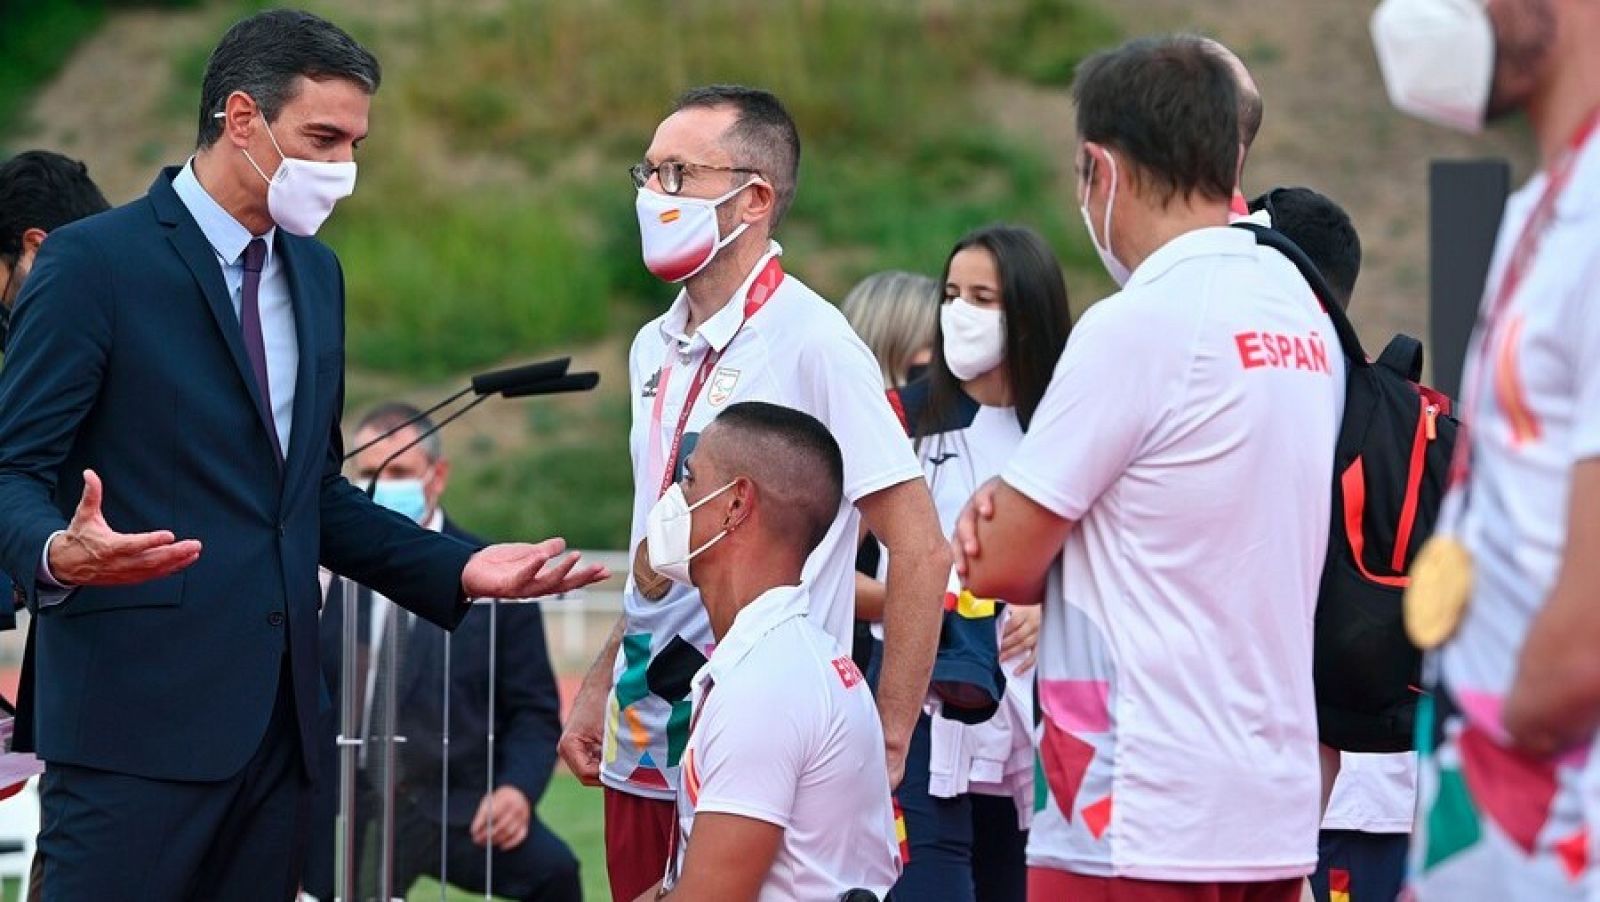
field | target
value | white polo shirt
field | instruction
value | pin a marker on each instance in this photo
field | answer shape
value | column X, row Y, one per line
column 1189, row 431
column 1373, row 793
column 1536, row 416
column 786, row 732
column 798, row 351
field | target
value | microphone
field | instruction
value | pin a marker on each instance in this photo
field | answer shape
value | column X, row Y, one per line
column 518, row 377
column 572, row 382
column 484, row 385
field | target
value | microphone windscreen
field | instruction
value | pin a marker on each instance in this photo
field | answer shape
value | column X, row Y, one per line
column 571, row 382
column 519, row 376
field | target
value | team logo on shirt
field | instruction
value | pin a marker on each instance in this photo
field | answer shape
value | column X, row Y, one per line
column 849, row 673
column 651, row 385
column 942, row 459
column 722, row 385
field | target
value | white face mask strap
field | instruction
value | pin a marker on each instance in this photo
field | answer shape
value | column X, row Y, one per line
column 1111, row 201
column 733, row 235
column 718, row 537
column 696, row 506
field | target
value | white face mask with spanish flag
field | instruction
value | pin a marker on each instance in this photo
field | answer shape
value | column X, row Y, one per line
column 680, row 234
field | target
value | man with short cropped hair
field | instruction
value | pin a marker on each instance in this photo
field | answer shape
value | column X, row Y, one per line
column 1179, row 468
column 783, row 791
column 1321, row 228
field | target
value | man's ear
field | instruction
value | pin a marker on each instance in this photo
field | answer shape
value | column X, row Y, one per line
column 237, row 114
column 32, row 240
column 742, row 503
column 763, row 201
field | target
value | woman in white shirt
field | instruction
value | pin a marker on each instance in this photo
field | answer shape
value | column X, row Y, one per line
column 967, row 796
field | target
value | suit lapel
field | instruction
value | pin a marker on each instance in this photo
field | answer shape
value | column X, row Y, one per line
column 301, row 440
column 198, row 255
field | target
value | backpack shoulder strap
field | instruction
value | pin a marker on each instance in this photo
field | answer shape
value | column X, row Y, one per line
column 1349, row 341
column 1404, row 356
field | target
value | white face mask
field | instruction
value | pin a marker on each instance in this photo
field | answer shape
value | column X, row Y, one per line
column 301, row 194
column 669, row 528
column 974, row 338
column 1119, row 273
column 679, row 235
column 1437, row 59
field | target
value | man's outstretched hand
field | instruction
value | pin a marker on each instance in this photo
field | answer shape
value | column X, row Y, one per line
column 91, row 553
column 520, row 570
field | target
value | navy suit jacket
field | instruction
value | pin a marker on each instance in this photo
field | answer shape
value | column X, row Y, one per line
column 127, row 357
column 527, row 715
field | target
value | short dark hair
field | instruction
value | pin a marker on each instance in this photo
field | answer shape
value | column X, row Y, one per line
column 391, row 414
column 792, row 457
column 264, row 54
column 40, row 189
column 763, row 137
column 1322, row 229
column 1169, row 104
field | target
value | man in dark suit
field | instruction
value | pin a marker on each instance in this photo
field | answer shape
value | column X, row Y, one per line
column 530, row 862
column 170, row 480
column 39, row 191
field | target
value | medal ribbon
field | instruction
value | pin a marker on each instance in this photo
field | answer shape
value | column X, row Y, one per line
column 1520, row 262
column 761, row 290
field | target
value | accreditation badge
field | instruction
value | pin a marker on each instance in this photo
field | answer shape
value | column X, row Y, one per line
column 1441, row 585
column 652, row 585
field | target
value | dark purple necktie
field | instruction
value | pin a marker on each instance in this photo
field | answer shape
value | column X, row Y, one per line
column 255, row 346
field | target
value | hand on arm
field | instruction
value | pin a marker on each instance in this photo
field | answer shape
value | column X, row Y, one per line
column 585, row 732
column 727, row 858
column 1555, row 700
column 903, row 518
column 91, row 553
column 1007, row 554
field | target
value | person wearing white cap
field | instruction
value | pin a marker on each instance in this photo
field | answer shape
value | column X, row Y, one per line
column 1506, row 590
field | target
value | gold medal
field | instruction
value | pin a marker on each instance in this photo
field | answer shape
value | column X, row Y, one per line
column 1441, row 585
column 652, row 585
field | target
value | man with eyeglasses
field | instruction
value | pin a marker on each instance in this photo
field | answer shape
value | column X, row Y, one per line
column 713, row 185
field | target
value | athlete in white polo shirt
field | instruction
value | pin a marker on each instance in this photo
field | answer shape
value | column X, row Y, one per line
column 783, row 792
column 1510, row 778
column 714, row 183
column 1183, row 455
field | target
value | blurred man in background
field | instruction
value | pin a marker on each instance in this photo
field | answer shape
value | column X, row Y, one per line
column 1507, row 587
column 39, row 191
column 531, row 864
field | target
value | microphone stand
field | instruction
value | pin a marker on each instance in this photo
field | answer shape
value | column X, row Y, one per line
column 353, row 737
column 546, row 378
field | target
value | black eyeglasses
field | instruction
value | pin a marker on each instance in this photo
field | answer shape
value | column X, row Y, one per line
column 671, row 173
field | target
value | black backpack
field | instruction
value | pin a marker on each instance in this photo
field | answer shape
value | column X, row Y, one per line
column 1390, row 468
